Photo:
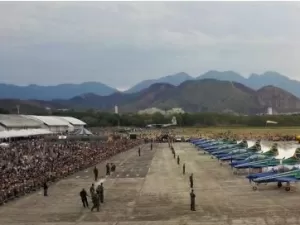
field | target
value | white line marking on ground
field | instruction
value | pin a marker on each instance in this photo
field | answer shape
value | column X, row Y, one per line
column 100, row 181
column 127, row 175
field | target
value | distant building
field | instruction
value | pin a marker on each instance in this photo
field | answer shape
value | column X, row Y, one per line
column 152, row 111
column 270, row 111
column 175, row 111
column 163, row 112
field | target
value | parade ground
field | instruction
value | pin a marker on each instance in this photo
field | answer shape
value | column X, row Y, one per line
column 151, row 190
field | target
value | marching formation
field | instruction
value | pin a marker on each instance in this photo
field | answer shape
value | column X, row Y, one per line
column 262, row 165
column 191, row 178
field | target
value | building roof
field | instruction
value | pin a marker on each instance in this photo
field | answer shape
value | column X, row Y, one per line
column 23, row 133
column 73, row 121
column 2, row 128
column 51, row 120
column 18, row 121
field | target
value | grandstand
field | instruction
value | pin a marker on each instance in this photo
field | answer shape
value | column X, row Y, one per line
column 31, row 125
column 53, row 123
column 17, row 122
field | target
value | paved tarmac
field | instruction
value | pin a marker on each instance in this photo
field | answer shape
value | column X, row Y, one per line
column 151, row 190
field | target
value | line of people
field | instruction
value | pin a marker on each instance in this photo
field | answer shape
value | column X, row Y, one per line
column 191, row 178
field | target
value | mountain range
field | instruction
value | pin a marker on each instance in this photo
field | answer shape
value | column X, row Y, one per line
column 205, row 95
column 61, row 91
column 213, row 91
column 254, row 81
column 67, row 91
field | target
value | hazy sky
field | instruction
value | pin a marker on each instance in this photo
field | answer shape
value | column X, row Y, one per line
column 122, row 43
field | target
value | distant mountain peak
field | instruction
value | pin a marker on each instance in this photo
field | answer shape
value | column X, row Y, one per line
column 180, row 74
column 173, row 79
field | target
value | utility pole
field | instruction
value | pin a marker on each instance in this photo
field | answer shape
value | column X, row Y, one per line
column 18, row 109
column 117, row 113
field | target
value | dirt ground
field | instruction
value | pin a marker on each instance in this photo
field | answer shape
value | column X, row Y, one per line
column 151, row 190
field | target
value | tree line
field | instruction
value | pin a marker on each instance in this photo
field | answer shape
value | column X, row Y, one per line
column 104, row 119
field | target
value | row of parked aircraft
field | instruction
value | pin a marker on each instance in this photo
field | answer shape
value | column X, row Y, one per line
column 277, row 169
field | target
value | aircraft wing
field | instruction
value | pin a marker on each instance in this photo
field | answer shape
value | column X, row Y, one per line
column 287, row 179
column 285, row 175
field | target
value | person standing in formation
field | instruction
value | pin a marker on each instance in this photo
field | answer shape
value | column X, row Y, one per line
column 96, row 173
column 139, row 151
column 183, row 169
column 191, row 181
column 193, row 196
column 113, row 167
column 92, row 190
column 178, row 160
column 107, row 169
column 45, row 186
column 83, row 196
column 96, row 202
column 101, row 193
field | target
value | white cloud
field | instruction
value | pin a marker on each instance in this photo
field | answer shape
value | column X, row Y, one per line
column 48, row 42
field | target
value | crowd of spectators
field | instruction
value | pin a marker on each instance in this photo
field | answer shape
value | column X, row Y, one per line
column 26, row 165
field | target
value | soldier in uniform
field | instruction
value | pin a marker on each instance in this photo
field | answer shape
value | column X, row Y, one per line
column 101, row 192
column 96, row 173
column 96, row 203
column 178, row 160
column 151, row 146
column 92, row 190
column 191, row 181
column 139, row 151
column 183, row 168
column 45, row 186
column 107, row 169
column 193, row 196
column 113, row 167
column 83, row 196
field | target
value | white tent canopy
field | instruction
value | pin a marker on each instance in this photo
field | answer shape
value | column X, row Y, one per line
column 271, row 122
column 23, row 133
